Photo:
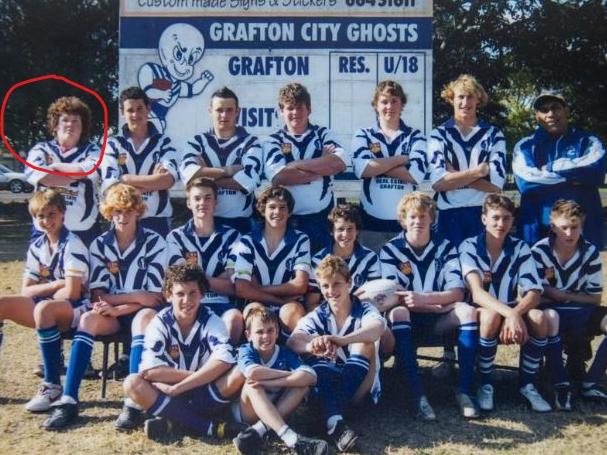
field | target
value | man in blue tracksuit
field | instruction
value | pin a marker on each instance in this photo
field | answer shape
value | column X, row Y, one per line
column 558, row 162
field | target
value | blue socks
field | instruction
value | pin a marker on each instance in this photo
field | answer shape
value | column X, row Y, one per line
column 136, row 353
column 405, row 354
column 531, row 355
column 554, row 361
column 352, row 376
column 328, row 381
column 599, row 364
column 467, row 343
column 50, row 347
column 82, row 348
column 487, row 348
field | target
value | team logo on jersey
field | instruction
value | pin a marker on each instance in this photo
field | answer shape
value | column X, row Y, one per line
column 375, row 148
column 142, row 263
column 174, row 351
column 405, row 268
column 191, row 258
column 49, row 159
column 156, row 157
column 44, row 271
column 113, row 267
column 438, row 263
column 571, row 152
column 550, row 276
column 122, row 159
column 286, row 148
column 290, row 263
column 487, row 277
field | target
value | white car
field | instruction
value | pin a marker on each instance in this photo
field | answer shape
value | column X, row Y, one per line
column 13, row 181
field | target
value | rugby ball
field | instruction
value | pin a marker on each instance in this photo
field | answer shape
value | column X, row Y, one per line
column 380, row 293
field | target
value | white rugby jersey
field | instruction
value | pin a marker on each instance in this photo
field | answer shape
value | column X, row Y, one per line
column 213, row 254
column 581, row 274
column 81, row 198
column 321, row 321
column 435, row 269
column 139, row 268
column 69, row 259
column 381, row 194
column 282, row 147
column 363, row 264
column 253, row 259
column 513, row 272
column 165, row 345
column 484, row 144
column 121, row 158
column 242, row 148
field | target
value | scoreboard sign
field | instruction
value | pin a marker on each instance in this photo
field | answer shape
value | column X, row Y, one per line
column 181, row 51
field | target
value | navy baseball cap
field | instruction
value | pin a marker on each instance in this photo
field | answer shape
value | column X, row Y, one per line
column 548, row 95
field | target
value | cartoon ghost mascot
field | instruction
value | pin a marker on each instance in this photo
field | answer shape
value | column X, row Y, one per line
column 180, row 47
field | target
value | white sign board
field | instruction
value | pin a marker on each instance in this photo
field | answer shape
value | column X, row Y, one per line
column 181, row 51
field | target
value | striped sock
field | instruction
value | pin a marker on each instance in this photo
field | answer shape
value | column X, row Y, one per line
column 531, row 356
column 136, row 353
column 487, row 348
column 352, row 376
column 467, row 343
column 50, row 347
column 82, row 348
column 327, row 382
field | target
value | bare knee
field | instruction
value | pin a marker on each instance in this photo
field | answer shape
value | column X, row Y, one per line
column 235, row 323
column 90, row 322
column 141, row 320
column 552, row 321
column 290, row 314
column 465, row 313
column 490, row 323
column 135, row 387
column 538, row 322
column 399, row 313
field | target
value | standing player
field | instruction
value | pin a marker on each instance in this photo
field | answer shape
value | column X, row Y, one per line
column 500, row 272
column 390, row 157
column 204, row 243
column 432, row 301
column 231, row 157
column 345, row 224
column 127, row 265
column 276, row 383
column 558, row 161
column 69, row 122
column 273, row 261
column 341, row 336
column 571, row 269
column 466, row 160
column 144, row 158
column 54, row 293
column 188, row 368
column 304, row 158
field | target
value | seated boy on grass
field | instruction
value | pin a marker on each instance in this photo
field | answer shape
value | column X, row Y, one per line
column 276, row 383
column 340, row 338
column 571, row 269
column 188, row 370
column 54, row 293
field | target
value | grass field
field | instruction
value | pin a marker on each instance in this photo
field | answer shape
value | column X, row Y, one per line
column 511, row 429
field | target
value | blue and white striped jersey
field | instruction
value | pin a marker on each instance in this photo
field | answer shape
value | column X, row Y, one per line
column 139, row 268
column 282, row 147
column 435, row 269
column 581, row 274
column 485, row 143
column 514, row 271
column 165, row 345
column 363, row 264
column 121, row 158
column 213, row 254
column 322, row 322
column 70, row 258
column 381, row 194
column 243, row 149
column 81, row 199
column 253, row 259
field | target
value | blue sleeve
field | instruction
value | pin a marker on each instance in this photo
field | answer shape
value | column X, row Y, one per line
column 247, row 359
column 588, row 166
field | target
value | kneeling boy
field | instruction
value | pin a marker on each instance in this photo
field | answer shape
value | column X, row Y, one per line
column 341, row 338
column 277, row 382
column 188, row 368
